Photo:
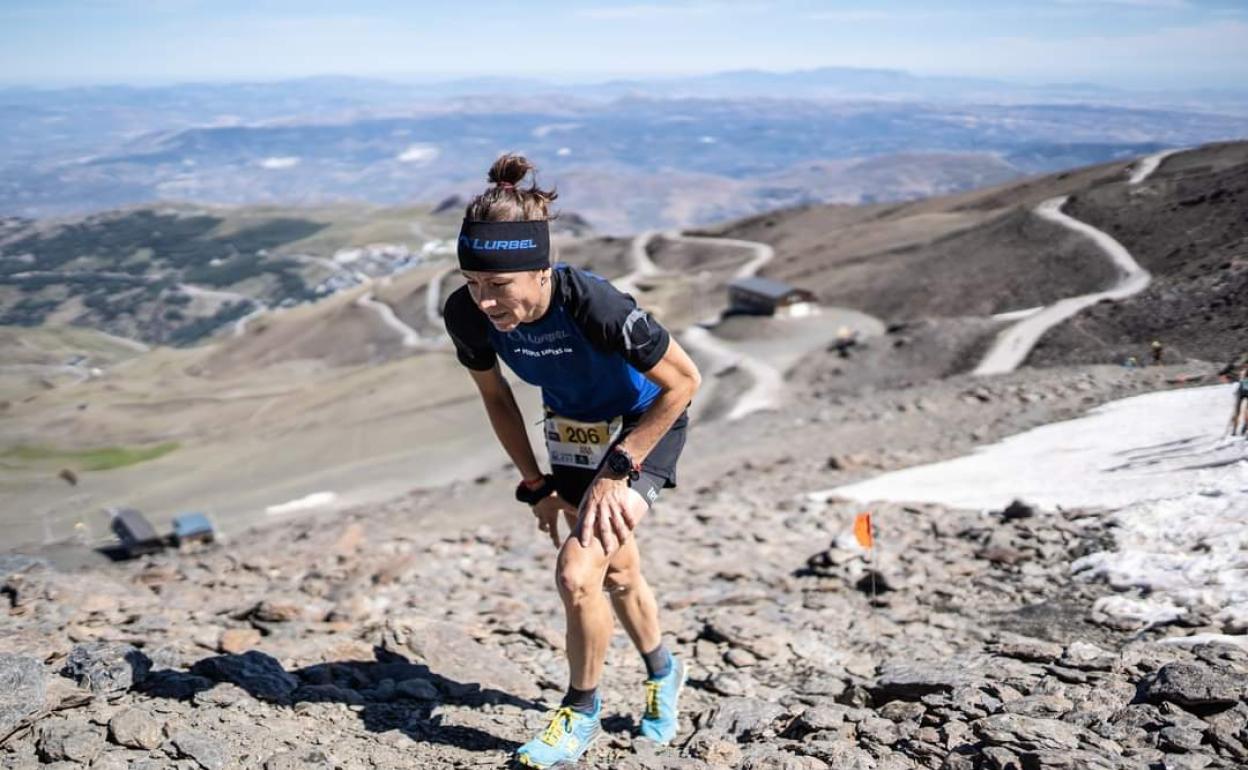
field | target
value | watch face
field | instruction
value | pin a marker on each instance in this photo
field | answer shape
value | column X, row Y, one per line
column 618, row 462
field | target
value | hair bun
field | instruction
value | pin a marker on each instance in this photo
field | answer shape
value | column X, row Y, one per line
column 510, row 169
column 506, row 201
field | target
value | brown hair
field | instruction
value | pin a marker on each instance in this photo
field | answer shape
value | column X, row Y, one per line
column 505, row 201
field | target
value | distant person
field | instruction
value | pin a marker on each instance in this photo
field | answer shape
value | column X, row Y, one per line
column 1158, row 349
column 846, row 338
column 615, row 388
column 1239, row 417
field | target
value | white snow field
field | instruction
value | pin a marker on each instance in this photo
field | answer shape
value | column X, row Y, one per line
column 1160, row 464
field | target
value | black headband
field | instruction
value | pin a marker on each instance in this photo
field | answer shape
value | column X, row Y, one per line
column 504, row 247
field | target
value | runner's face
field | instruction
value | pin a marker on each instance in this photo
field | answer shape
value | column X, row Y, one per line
column 508, row 299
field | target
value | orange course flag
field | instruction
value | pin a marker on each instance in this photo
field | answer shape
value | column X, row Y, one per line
column 862, row 530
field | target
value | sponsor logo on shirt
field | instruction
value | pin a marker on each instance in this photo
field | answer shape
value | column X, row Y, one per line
column 540, row 345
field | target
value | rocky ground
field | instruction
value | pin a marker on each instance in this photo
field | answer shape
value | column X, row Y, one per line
column 426, row 633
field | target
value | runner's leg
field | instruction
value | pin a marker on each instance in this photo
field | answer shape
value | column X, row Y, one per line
column 580, row 576
column 632, row 597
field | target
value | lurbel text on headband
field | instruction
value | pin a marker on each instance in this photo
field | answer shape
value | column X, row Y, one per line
column 504, row 247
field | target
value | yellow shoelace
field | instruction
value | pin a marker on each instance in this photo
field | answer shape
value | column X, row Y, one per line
column 652, row 699
column 560, row 722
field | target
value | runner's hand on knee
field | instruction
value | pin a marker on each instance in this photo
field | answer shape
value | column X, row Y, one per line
column 604, row 495
column 547, row 512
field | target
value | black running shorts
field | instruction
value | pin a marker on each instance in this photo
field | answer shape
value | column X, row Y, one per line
column 658, row 470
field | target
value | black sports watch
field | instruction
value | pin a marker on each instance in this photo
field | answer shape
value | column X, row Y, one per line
column 534, row 495
column 621, row 463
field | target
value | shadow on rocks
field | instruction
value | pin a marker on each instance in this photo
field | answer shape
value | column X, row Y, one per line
column 389, row 693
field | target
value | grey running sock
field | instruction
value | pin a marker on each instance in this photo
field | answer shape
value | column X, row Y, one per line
column 580, row 700
column 658, row 662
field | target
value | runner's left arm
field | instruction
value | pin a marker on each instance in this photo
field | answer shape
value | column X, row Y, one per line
column 679, row 379
column 612, row 321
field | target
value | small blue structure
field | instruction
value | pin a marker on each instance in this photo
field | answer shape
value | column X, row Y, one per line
column 193, row 528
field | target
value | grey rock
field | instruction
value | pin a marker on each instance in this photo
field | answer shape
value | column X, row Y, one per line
column 730, row 684
column 1017, row 510
column 739, row 657
column 313, row 759
column 223, row 694
column 1026, row 732
column 174, row 685
column 1028, row 649
column 74, row 740
column 1186, row 762
column 997, row 758
column 768, row 758
column 879, row 730
column 257, row 673
column 207, row 753
column 911, row 681
column 817, row 719
column 1088, row 656
column 1046, row 705
column 117, row 761
column 417, row 689
column 136, row 729
column 22, row 690
column 741, row 718
column 452, row 653
column 901, row 711
column 714, row 748
column 1175, row 738
column 107, row 667
column 1071, row 760
column 842, row 754
column 1193, row 684
column 327, row 693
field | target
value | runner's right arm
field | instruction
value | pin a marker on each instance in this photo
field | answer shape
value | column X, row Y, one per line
column 469, row 330
column 506, row 419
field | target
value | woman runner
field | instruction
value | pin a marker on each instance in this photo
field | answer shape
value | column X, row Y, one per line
column 615, row 388
column 1239, row 416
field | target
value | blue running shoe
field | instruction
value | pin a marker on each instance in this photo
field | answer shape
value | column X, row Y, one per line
column 661, row 720
column 568, row 736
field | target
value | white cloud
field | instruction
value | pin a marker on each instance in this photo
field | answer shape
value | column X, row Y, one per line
column 418, row 153
column 541, row 132
column 277, row 163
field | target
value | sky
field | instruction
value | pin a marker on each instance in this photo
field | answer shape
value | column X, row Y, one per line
column 1125, row 43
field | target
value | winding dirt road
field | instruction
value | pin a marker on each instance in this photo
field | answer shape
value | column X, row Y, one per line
column 1015, row 343
column 767, row 388
column 410, row 337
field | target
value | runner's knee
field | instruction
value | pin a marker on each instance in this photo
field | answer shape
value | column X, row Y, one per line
column 622, row 581
column 577, row 574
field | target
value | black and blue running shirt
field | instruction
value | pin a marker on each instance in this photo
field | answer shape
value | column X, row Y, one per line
column 587, row 353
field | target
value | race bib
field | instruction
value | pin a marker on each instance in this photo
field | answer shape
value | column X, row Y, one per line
column 580, row 444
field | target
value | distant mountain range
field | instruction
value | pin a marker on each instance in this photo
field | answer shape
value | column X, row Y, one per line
column 629, row 154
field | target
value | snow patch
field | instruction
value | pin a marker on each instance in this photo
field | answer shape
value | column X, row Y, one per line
column 305, row 503
column 1175, row 486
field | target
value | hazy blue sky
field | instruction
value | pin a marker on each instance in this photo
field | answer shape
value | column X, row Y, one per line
column 1168, row 43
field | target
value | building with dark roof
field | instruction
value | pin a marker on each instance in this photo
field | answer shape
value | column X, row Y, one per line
column 763, row 296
